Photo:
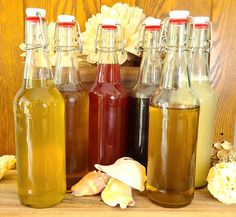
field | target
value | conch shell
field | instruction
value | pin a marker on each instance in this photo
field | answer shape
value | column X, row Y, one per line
column 117, row 193
column 127, row 171
column 91, row 184
column 7, row 162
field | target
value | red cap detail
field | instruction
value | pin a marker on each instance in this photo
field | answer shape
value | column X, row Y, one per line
column 109, row 26
column 34, row 19
column 66, row 24
column 152, row 27
column 201, row 26
column 178, row 21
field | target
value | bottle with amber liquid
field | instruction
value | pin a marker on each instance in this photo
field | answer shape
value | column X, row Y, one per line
column 173, row 122
column 107, row 100
column 199, row 72
column 39, row 113
column 67, row 81
column 140, row 93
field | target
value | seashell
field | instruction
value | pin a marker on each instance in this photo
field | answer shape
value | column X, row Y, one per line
column 217, row 146
column 117, row 193
column 127, row 171
column 7, row 162
column 226, row 145
column 221, row 154
column 92, row 183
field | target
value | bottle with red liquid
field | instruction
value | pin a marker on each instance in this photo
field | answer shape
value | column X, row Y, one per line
column 107, row 101
column 67, row 81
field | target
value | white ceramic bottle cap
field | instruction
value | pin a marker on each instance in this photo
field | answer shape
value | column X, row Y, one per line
column 179, row 14
column 200, row 20
column 153, row 22
column 66, row 19
column 33, row 12
column 109, row 21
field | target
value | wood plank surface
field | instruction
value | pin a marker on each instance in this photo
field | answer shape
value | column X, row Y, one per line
column 203, row 205
column 222, row 58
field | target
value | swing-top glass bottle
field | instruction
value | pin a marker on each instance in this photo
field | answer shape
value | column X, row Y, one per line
column 173, row 122
column 108, row 100
column 67, row 81
column 39, row 122
column 140, row 93
column 200, row 45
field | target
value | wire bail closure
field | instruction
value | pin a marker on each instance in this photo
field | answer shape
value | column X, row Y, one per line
column 207, row 48
column 163, row 37
column 117, row 30
column 139, row 48
column 42, row 35
column 78, row 37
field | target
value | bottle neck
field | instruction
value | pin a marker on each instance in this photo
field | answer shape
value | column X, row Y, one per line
column 175, row 72
column 108, row 66
column 37, row 71
column 150, row 68
column 66, row 69
column 199, row 65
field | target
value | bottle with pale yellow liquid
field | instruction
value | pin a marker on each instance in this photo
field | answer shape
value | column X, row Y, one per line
column 173, row 122
column 39, row 112
column 199, row 70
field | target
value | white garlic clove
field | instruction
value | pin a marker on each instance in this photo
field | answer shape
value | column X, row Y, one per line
column 117, row 193
column 91, row 184
column 127, row 171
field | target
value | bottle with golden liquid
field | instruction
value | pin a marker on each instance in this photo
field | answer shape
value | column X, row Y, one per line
column 173, row 123
column 67, row 81
column 39, row 122
column 140, row 93
column 199, row 70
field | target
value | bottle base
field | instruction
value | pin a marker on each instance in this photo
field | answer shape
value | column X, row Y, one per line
column 38, row 202
column 170, row 199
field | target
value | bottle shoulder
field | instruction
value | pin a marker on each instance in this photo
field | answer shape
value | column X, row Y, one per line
column 109, row 90
column 143, row 90
column 175, row 98
column 38, row 95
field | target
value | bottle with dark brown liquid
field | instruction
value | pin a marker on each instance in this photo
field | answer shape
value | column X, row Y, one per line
column 68, row 82
column 173, row 123
column 143, row 89
column 107, row 102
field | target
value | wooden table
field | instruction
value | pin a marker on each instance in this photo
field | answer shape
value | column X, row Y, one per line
column 202, row 205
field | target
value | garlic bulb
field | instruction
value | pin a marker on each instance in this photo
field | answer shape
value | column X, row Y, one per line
column 130, row 19
column 222, row 182
column 117, row 193
column 7, row 162
column 127, row 171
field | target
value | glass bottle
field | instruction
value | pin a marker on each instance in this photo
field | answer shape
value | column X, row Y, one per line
column 173, row 123
column 107, row 102
column 67, row 81
column 39, row 122
column 199, row 70
column 140, row 93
